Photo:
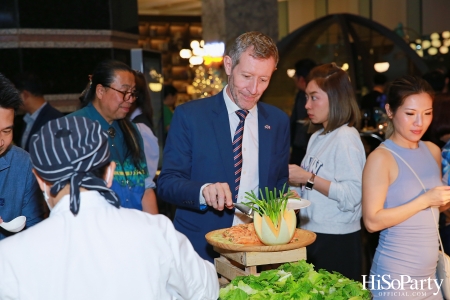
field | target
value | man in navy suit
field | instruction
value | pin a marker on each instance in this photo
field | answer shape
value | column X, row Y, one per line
column 220, row 147
column 38, row 111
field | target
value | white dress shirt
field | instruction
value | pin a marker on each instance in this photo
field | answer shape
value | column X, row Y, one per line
column 151, row 146
column 250, row 154
column 103, row 253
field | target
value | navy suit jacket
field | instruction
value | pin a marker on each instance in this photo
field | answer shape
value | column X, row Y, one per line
column 47, row 113
column 199, row 150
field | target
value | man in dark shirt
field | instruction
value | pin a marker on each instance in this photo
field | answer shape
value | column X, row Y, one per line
column 373, row 100
column 38, row 111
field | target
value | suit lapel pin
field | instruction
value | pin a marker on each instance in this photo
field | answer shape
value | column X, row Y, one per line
column 267, row 127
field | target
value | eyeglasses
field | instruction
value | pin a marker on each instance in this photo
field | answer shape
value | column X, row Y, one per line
column 126, row 95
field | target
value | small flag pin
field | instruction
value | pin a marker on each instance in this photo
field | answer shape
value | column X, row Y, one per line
column 267, row 127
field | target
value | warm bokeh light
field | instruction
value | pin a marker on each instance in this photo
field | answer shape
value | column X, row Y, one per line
column 434, row 36
column 214, row 49
column 443, row 50
column 426, row 44
column 381, row 67
column 290, row 72
column 155, row 87
column 432, row 51
column 198, row 51
column 195, row 44
column 185, row 53
column 209, row 60
column 196, row 60
column 436, row 43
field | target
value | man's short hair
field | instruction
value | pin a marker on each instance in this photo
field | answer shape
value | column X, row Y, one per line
column 30, row 82
column 9, row 96
column 169, row 90
column 263, row 47
column 303, row 67
column 379, row 79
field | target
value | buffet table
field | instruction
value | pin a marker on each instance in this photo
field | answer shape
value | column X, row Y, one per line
column 243, row 259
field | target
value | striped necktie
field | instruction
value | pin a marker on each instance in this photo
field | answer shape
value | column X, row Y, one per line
column 237, row 150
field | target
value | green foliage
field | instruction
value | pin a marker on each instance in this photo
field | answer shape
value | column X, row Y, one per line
column 297, row 281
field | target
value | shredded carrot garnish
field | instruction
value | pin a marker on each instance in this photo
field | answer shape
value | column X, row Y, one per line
column 242, row 234
column 246, row 234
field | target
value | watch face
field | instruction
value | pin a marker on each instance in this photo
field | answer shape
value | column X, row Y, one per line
column 309, row 185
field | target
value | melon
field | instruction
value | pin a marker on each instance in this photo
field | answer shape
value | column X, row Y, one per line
column 269, row 234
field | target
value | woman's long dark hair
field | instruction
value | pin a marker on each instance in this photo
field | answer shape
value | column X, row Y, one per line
column 143, row 101
column 104, row 74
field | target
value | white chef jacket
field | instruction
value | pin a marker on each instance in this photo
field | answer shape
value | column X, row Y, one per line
column 103, row 253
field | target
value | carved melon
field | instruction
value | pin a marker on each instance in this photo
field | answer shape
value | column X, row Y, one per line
column 269, row 234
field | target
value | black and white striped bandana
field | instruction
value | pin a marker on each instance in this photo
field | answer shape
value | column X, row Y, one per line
column 68, row 149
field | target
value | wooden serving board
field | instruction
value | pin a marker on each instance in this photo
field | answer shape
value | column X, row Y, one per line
column 304, row 238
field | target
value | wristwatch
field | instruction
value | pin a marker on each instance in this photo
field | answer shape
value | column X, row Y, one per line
column 310, row 183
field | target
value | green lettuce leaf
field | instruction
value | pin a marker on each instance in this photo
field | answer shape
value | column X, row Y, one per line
column 297, row 281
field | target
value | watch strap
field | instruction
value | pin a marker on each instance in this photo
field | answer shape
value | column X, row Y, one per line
column 310, row 183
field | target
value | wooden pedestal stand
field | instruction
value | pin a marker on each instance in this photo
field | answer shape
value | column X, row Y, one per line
column 241, row 260
column 232, row 263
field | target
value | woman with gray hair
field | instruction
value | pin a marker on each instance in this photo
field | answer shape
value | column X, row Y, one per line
column 90, row 247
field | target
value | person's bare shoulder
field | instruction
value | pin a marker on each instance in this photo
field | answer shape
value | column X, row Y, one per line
column 380, row 156
column 380, row 164
column 435, row 151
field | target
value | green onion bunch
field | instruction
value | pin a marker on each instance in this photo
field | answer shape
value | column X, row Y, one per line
column 272, row 205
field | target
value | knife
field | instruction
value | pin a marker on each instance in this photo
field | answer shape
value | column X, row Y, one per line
column 245, row 209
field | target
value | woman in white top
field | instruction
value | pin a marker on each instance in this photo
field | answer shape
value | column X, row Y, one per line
column 330, row 173
column 142, row 115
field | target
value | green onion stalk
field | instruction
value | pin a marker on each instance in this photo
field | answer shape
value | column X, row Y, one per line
column 272, row 206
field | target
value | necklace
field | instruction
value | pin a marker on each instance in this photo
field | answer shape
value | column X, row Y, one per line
column 112, row 133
